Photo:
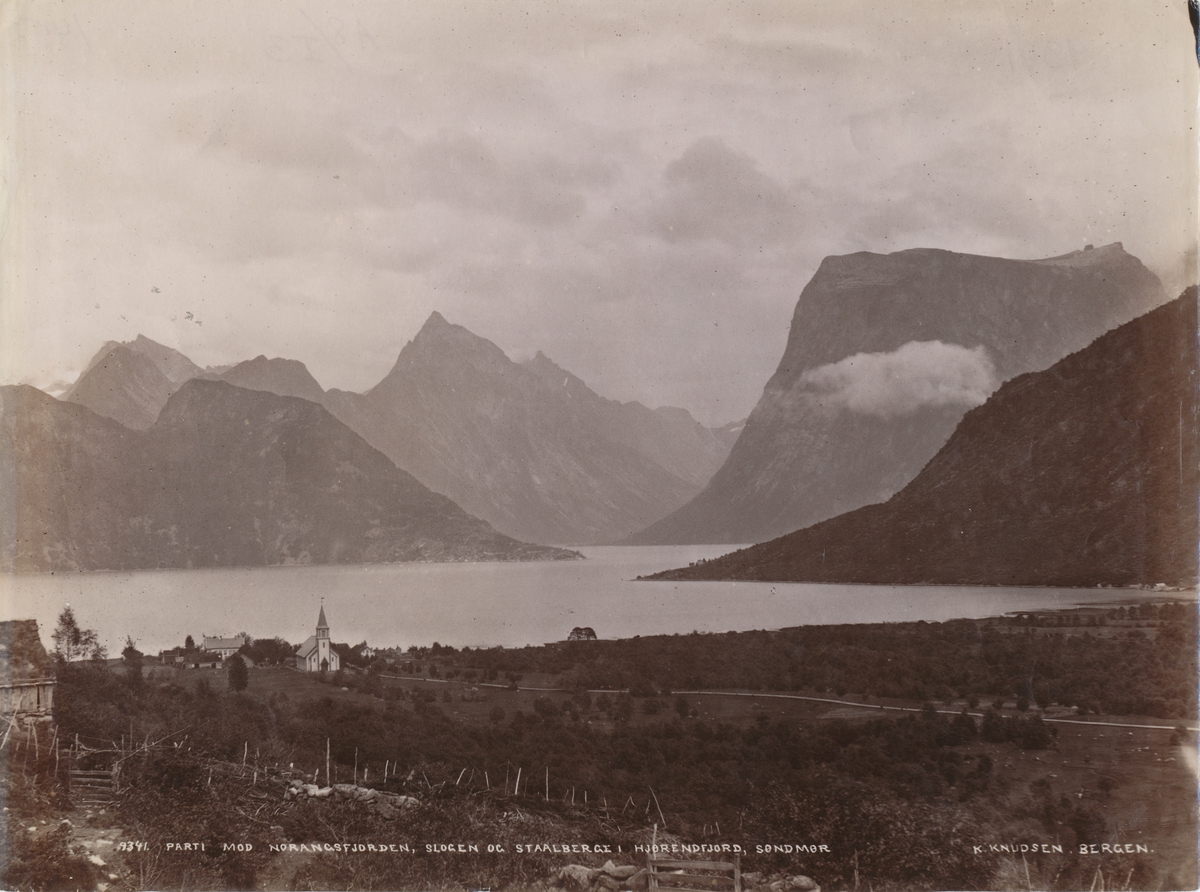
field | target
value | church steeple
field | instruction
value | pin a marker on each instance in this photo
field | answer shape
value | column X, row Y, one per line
column 322, row 625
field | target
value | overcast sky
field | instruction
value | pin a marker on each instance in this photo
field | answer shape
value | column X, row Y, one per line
column 640, row 190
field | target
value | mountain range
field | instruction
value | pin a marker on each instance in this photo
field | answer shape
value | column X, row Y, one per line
column 885, row 355
column 225, row 476
column 1083, row 474
column 529, row 447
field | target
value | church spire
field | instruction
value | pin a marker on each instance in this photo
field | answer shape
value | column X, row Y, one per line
column 321, row 624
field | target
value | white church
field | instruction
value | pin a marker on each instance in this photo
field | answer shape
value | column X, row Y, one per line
column 316, row 654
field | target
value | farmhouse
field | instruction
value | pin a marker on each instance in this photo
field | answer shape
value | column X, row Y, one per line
column 26, row 672
column 225, row 647
column 316, row 654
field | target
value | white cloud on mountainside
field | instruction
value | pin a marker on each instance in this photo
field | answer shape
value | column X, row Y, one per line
column 918, row 375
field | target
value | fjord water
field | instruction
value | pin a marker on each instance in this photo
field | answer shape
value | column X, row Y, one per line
column 484, row 604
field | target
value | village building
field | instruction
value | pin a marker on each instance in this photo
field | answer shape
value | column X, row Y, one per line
column 316, row 654
column 225, row 647
column 26, row 673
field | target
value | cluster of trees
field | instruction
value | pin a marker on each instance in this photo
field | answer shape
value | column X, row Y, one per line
column 1149, row 668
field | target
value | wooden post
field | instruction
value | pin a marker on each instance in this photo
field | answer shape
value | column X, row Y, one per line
column 486, row 781
column 517, row 785
column 327, row 762
column 356, row 766
column 547, row 783
column 659, row 807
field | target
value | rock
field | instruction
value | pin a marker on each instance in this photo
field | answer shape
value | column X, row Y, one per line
column 796, row 883
column 386, row 811
column 607, row 882
column 65, row 823
column 576, row 876
column 752, row 879
column 639, row 880
column 619, row 871
column 96, row 860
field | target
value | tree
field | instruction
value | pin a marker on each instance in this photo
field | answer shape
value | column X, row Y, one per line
column 239, row 676
column 189, row 643
column 71, row 642
column 133, row 664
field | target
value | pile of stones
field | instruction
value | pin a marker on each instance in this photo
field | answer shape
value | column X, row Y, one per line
column 387, row 804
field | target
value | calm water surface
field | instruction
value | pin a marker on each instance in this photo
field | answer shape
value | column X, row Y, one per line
column 485, row 604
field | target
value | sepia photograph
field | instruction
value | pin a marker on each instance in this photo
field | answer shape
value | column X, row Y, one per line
column 599, row 445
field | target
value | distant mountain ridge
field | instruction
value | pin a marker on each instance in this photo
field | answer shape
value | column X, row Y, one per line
column 528, row 447
column 885, row 355
column 1085, row 474
column 224, row 477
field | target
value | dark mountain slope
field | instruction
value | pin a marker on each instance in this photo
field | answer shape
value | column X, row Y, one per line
column 1081, row 475
column 123, row 385
column 885, row 355
column 66, row 483
column 225, row 477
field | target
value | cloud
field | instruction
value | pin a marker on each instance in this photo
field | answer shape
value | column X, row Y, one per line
column 918, row 375
column 714, row 192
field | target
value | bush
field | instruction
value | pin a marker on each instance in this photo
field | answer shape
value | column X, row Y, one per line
column 239, row 676
column 46, row 861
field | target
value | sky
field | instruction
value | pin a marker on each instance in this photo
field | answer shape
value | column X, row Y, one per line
column 640, row 190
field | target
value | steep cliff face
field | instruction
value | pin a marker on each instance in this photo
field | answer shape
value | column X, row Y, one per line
column 225, row 477
column 511, row 444
column 885, row 355
column 1080, row 475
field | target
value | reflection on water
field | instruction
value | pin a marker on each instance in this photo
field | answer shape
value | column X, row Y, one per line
column 486, row 604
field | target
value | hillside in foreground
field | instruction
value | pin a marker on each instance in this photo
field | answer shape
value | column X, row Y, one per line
column 1084, row 474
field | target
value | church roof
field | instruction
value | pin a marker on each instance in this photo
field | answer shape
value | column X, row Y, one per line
column 321, row 624
column 309, row 645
